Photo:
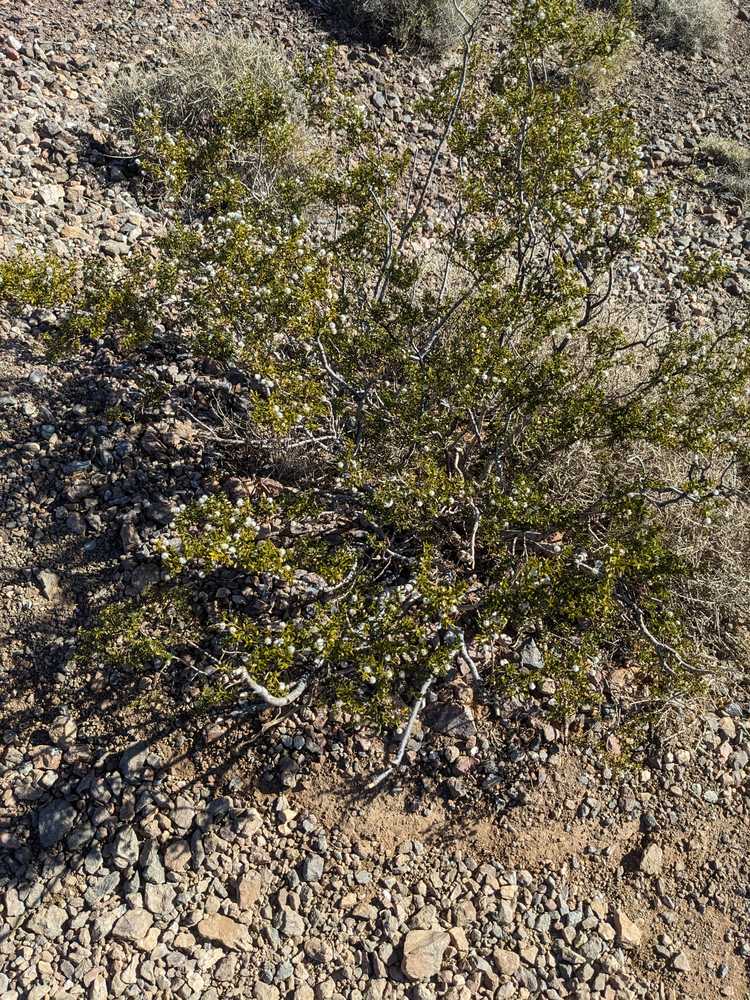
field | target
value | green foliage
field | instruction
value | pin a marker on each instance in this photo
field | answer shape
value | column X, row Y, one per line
column 226, row 121
column 130, row 636
column 317, row 609
column 213, row 697
column 477, row 454
column 41, row 282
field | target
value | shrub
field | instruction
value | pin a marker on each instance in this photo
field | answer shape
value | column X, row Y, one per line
column 438, row 25
column 477, row 451
column 205, row 75
column 688, row 25
column 210, row 105
column 733, row 160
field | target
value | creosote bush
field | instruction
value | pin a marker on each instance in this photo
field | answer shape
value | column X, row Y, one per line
column 206, row 74
column 448, row 448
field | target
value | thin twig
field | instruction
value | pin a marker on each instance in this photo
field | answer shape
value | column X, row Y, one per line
column 473, row 539
column 411, row 221
column 663, row 649
column 414, row 714
column 469, row 661
column 263, row 693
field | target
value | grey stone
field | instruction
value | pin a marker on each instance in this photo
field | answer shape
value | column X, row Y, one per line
column 183, row 817
column 102, row 887
column 47, row 922
column 49, row 584
column 423, row 953
column 312, row 868
column 531, row 655
column 592, row 948
column 133, row 925
column 55, row 821
column 13, row 905
column 159, row 898
column 285, row 971
column 223, row 931
column 126, row 848
column 98, row 989
column 80, row 836
column 318, row 951
column 507, row 962
column 133, row 759
column 150, row 863
column 266, row 991
column 681, row 962
column 248, row 890
column 50, row 195
column 629, row 934
column 177, row 855
column 292, row 924
column 451, row 720
column 224, row 971
column 652, row 860
column 103, row 924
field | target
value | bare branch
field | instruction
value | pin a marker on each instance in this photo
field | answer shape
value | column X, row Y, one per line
column 469, row 660
column 413, row 716
column 663, row 649
column 473, row 539
column 411, row 221
column 263, row 693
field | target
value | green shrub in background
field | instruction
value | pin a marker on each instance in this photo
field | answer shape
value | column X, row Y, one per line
column 435, row 25
column 467, row 453
column 687, row 25
column 205, row 112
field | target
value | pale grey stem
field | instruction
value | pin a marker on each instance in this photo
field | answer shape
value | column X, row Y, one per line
column 469, row 661
column 413, row 715
column 427, row 183
column 265, row 694
column 663, row 649
column 473, row 540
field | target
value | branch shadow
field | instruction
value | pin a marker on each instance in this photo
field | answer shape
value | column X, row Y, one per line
column 122, row 455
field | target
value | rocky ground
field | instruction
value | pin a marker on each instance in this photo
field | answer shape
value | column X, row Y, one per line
column 149, row 851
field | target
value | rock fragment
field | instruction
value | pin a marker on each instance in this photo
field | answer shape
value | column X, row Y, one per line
column 652, row 860
column 629, row 933
column 223, row 931
column 133, row 925
column 55, row 821
column 423, row 953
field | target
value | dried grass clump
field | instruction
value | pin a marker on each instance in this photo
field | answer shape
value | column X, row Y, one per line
column 223, row 107
column 437, row 25
column 688, row 25
column 732, row 159
column 204, row 77
column 716, row 593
